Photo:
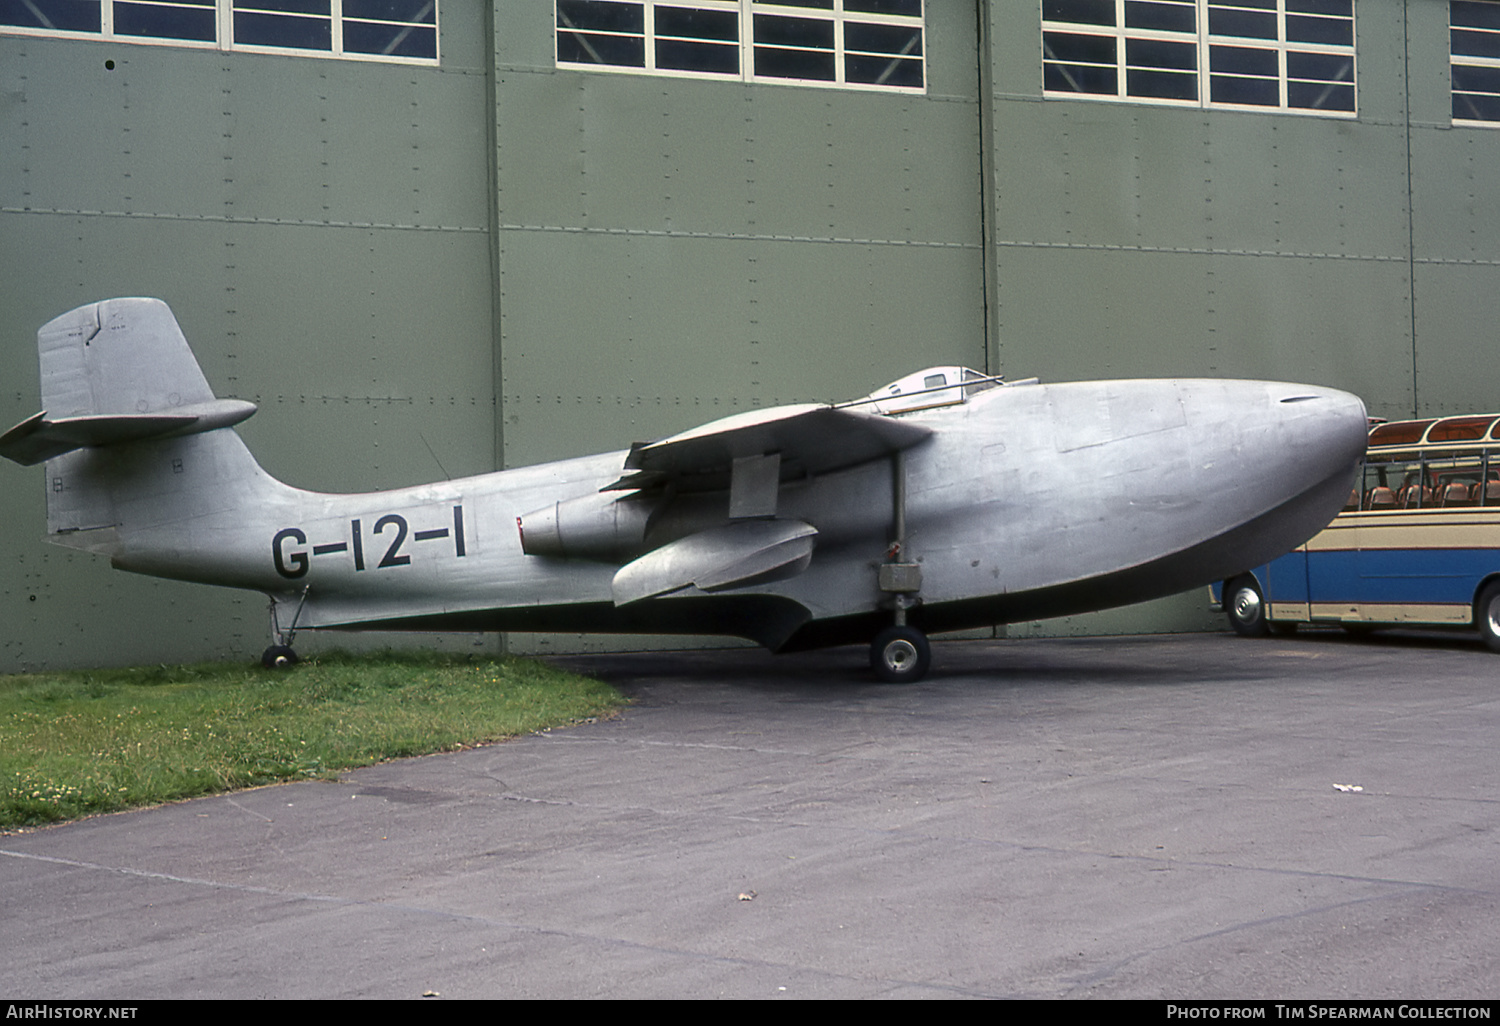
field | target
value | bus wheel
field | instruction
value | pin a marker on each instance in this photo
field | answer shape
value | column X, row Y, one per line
column 1246, row 607
column 1487, row 616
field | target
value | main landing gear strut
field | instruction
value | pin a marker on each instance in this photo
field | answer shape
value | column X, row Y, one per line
column 900, row 654
column 280, row 656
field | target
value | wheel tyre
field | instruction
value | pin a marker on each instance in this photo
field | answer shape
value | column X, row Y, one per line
column 1245, row 606
column 1487, row 616
column 279, row 657
column 900, row 655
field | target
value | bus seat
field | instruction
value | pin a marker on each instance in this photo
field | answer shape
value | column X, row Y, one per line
column 1412, row 496
column 1456, row 494
column 1484, row 493
column 1381, row 497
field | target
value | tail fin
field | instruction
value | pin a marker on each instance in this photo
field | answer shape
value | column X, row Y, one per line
column 121, row 388
column 116, row 371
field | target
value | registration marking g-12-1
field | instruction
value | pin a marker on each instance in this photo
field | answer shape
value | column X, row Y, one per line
column 293, row 559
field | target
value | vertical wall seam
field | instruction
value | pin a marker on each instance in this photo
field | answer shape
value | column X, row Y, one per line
column 1411, row 216
column 987, row 250
column 492, row 199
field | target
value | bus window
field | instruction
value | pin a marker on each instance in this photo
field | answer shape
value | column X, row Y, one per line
column 1457, row 482
column 1397, row 484
column 1400, row 432
column 1490, row 494
column 1460, row 429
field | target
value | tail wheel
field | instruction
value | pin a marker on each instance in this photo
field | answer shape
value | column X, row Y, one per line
column 1487, row 616
column 1245, row 605
column 900, row 655
column 279, row 657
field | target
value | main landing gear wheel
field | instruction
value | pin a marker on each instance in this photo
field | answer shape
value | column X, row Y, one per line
column 278, row 657
column 1487, row 616
column 1246, row 608
column 900, row 655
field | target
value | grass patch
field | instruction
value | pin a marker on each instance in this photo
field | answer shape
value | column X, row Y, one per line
column 91, row 741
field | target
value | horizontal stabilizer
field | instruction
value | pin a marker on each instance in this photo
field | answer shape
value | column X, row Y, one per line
column 38, row 439
column 740, row 553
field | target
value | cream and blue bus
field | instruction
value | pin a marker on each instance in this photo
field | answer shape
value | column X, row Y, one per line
column 1417, row 545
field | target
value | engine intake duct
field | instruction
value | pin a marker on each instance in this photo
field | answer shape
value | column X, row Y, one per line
column 603, row 526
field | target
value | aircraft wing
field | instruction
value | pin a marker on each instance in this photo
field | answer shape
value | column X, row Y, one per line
column 750, row 454
column 810, row 438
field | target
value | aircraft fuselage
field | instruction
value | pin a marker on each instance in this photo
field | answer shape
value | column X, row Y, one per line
column 1025, row 501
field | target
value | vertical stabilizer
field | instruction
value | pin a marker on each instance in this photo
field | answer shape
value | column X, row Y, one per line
column 114, row 372
column 130, row 430
column 118, row 356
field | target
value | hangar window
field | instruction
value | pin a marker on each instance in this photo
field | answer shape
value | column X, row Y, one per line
column 1290, row 55
column 851, row 43
column 1474, row 34
column 394, row 30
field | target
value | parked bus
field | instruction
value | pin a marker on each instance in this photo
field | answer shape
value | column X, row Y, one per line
column 1417, row 545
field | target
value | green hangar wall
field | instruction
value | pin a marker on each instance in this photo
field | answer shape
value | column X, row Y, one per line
column 321, row 228
column 515, row 251
column 1353, row 250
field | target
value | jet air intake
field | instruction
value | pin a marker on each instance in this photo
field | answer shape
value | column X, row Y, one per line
column 603, row 526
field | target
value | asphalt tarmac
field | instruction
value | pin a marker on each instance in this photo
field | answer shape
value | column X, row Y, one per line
column 1193, row 816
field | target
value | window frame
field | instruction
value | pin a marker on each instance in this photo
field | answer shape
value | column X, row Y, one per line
column 1478, row 62
column 749, row 15
column 224, row 40
column 1206, row 46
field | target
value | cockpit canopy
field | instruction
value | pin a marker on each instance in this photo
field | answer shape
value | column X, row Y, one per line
column 935, row 386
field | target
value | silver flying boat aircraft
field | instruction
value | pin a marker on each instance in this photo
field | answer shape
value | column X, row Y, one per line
column 947, row 500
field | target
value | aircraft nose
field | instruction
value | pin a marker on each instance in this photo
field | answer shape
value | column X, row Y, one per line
column 1309, row 453
column 1327, row 428
column 1331, row 401
column 1273, row 444
column 1290, row 465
